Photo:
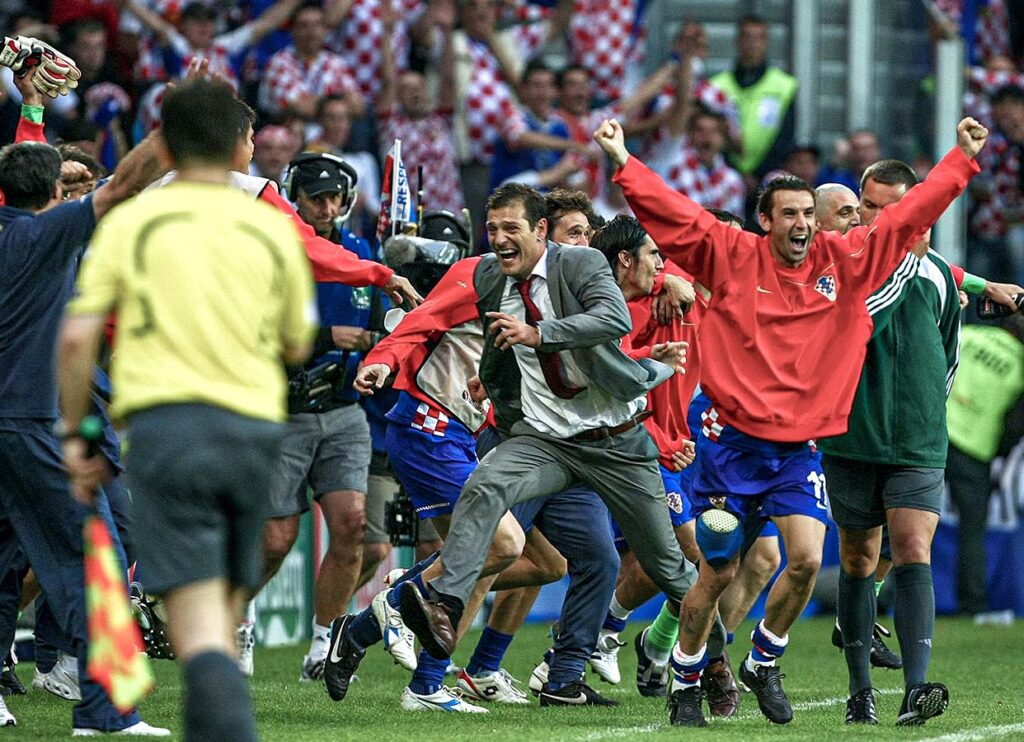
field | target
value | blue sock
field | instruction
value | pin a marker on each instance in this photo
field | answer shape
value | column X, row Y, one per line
column 565, row 666
column 364, row 630
column 766, row 648
column 729, row 637
column 489, row 652
column 611, row 623
column 429, row 675
column 414, row 574
column 686, row 669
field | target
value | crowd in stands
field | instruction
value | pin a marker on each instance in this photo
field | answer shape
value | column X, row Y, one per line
column 483, row 92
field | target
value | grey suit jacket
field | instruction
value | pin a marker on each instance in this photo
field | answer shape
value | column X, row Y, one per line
column 591, row 318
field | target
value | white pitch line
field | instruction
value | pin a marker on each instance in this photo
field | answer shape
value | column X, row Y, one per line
column 617, row 732
column 976, row 735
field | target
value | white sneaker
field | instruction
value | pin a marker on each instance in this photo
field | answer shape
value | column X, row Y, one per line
column 539, row 676
column 398, row 639
column 498, row 686
column 61, row 680
column 138, row 729
column 245, row 641
column 6, row 717
column 442, row 700
column 605, row 659
column 312, row 669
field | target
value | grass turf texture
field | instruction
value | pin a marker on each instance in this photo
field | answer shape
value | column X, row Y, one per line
column 983, row 667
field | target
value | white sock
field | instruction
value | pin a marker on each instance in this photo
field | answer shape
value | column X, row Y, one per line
column 321, row 641
column 615, row 608
column 250, row 613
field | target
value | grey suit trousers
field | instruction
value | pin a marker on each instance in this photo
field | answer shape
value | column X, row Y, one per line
column 622, row 470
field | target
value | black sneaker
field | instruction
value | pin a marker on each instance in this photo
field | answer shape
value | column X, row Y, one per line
column 651, row 678
column 686, row 707
column 922, row 701
column 766, row 683
column 576, row 693
column 343, row 657
column 10, row 684
column 860, row 708
column 881, row 655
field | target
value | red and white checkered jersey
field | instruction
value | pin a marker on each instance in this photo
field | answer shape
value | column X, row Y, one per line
column 982, row 84
column 286, row 78
column 602, row 39
column 715, row 187
column 427, row 142
column 489, row 101
column 223, row 54
column 358, row 40
column 710, row 96
column 992, row 30
column 1000, row 161
column 581, row 129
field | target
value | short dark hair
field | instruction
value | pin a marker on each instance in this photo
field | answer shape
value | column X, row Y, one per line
column 28, row 174
column 326, row 101
column 751, row 19
column 725, row 216
column 1008, row 94
column 534, row 207
column 243, row 118
column 702, row 111
column 890, row 172
column 560, row 77
column 534, row 66
column 623, row 233
column 561, row 202
column 194, row 125
column 766, row 198
column 71, row 153
column 74, row 31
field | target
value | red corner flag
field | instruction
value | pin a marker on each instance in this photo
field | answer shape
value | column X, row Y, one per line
column 115, row 660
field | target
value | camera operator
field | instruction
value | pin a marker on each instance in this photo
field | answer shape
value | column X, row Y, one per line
column 327, row 440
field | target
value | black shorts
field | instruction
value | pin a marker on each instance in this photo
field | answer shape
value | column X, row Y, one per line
column 200, row 478
column 860, row 492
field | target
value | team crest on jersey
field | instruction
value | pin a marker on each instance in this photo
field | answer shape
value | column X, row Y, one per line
column 718, row 502
column 826, row 286
column 675, row 502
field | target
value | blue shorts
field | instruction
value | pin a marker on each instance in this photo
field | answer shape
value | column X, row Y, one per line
column 432, row 469
column 760, row 477
column 678, row 505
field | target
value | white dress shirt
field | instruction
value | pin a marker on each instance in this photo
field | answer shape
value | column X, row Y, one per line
column 542, row 409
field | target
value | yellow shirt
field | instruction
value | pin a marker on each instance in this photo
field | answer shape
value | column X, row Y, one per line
column 207, row 284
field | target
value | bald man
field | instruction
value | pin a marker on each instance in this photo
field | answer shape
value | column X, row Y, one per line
column 837, row 207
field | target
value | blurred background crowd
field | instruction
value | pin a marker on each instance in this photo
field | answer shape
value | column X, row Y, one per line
column 483, row 91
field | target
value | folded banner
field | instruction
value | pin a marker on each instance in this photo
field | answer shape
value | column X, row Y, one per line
column 395, row 195
column 116, row 660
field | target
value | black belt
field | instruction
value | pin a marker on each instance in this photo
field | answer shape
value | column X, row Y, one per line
column 599, row 434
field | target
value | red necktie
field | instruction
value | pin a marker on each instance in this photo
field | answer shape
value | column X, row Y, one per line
column 550, row 363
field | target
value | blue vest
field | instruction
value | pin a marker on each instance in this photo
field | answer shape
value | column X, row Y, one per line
column 344, row 305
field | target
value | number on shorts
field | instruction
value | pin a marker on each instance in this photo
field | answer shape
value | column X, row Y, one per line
column 820, row 491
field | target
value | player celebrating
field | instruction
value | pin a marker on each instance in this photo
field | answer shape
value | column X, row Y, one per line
column 775, row 380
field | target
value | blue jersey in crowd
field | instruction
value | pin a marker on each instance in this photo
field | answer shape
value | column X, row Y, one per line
column 508, row 163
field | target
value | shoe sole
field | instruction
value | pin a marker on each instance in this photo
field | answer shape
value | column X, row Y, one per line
column 928, row 705
column 414, row 614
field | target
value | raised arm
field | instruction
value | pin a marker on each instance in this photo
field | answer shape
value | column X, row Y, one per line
column 140, row 167
column 388, row 93
column 878, row 249
column 163, row 29
column 30, row 124
column 686, row 233
column 272, row 18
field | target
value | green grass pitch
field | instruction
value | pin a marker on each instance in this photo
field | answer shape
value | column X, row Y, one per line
column 983, row 667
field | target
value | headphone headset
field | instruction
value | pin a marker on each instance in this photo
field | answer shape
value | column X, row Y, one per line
column 351, row 194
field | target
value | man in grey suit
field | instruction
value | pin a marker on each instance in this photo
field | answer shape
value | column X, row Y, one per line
column 571, row 403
